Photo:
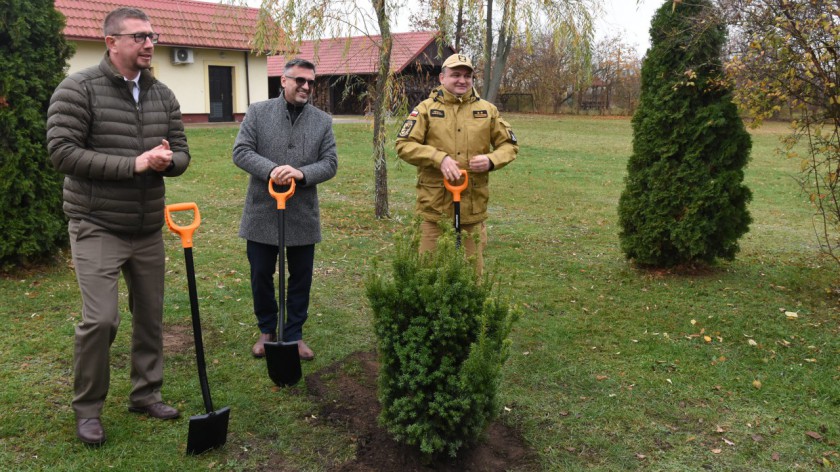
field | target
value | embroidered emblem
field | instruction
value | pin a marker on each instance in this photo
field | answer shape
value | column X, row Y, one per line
column 512, row 136
column 414, row 113
column 406, row 128
column 480, row 114
column 437, row 113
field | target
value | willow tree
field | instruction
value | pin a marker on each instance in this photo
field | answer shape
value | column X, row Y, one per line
column 489, row 30
column 787, row 58
column 284, row 24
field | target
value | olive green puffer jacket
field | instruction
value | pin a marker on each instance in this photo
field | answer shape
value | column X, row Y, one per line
column 95, row 130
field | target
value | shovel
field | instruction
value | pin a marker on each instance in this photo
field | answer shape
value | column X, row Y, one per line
column 282, row 358
column 456, row 201
column 206, row 431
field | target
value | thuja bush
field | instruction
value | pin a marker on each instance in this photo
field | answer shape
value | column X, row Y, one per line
column 33, row 55
column 442, row 335
column 684, row 200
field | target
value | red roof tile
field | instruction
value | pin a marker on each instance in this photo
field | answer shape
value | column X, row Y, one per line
column 357, row 55
column 179, row 22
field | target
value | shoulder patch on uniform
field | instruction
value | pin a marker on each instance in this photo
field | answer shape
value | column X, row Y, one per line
column 512, row 136
column 480, row 114
column 437, row 113
column 414, row 113
column 406, row 128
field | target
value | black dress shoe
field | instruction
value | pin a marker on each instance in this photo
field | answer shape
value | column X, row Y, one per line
column 157, row 410
column 90, row 432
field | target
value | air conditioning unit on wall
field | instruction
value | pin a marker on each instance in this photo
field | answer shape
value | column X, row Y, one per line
column 182, row 56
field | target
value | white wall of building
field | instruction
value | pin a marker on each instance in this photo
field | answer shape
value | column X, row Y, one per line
column 190, row 82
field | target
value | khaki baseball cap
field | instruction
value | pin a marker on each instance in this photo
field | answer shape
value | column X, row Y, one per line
column 458, row 60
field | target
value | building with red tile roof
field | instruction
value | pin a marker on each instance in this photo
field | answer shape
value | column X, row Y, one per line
column 203, row 54
column 347, row 67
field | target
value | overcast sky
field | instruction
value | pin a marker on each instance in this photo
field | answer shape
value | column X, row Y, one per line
column 632, row 22
column 620, row 16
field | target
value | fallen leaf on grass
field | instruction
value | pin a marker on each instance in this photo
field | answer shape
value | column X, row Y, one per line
column 708, row 339
column 641, row 457
column 826, row 463
column 730, row 443
column 601, row 377
column 717, row 451
column 752, row 342
column 757, row 384
column 757, row 437
column 791, row 315
column 719, row 430
column 812, row 360
column 814, row 435
column 775, row 457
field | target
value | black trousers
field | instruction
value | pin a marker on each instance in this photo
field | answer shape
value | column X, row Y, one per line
column 299, row 262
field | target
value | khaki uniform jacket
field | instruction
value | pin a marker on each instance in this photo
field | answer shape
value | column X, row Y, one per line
column 445, row 125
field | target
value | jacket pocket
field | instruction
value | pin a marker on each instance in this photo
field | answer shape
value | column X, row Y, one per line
column 430, row 194
column 479, row 193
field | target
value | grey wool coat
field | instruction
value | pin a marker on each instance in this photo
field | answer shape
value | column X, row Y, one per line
column 267, row 139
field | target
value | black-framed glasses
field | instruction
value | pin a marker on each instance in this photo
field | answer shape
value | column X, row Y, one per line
column 141, row 37
column 300, row 81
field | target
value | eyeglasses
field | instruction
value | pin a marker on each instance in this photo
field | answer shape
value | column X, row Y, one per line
column 140, row 37
column 300, row 81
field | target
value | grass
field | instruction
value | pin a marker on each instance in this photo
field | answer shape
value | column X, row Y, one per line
column 613, row 368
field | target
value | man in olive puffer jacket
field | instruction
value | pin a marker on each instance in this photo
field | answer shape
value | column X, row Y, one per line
column 116, row 132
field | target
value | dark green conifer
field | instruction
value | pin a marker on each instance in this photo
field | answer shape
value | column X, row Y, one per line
column 33, row 57
column 684, row 200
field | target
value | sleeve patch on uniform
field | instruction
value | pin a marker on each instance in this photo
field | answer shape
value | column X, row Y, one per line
column 437, row 113
column 512, row 136
column 414, row 113
column 406, row 128
column 480, row 114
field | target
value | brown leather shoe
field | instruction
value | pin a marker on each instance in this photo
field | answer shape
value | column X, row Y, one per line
column 90, row 432
column 304, row 352
column 259, row 347
column 157, row 410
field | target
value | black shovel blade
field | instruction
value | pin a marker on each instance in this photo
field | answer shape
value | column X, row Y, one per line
column 208, row 431
column 283, row 362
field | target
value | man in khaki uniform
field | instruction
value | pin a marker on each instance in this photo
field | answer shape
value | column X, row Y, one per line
column 451, row 130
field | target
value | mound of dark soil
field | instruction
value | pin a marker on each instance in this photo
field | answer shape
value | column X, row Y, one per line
column 346, row 393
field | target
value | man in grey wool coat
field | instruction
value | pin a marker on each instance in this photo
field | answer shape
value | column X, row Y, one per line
column 282, row 139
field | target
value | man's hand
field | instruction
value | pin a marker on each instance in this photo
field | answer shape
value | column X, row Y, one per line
column 157, row 158
column 450, row 170
column 282, row 175
column 480, row 163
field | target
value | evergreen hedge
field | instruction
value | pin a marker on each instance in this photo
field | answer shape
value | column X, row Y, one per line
column 442, row 340
column 33, row 56
column 684, row 200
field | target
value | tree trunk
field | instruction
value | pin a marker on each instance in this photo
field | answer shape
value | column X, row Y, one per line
column 459, row 26
column 488, row 50
column 380, row 111
column 493, row 78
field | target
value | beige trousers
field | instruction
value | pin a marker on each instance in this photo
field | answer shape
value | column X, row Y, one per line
column 99, row 256
column 430, row 232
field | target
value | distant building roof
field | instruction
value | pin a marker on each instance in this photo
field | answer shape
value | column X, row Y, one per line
column 179, row 22
column 357, row 55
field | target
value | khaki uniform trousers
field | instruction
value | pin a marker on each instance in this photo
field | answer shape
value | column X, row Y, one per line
column 99, row 256
column 430, row 232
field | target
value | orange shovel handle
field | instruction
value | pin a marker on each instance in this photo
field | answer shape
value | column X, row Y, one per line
column 456, row 189
column 185, row 232
column 281, row 197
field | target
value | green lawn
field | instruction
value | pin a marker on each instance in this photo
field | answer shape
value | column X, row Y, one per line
column 612, row 368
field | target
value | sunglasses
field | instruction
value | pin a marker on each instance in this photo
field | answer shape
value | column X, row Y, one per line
column 141, row 37
column 300, row 81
